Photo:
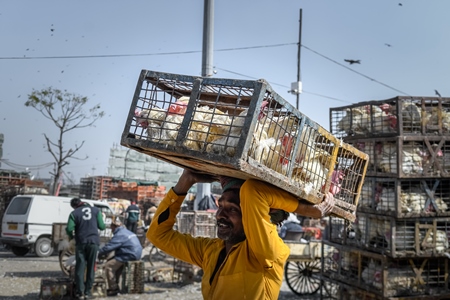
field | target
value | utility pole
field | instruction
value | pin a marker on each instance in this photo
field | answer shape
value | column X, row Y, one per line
column 204, row 189
column 296, row 87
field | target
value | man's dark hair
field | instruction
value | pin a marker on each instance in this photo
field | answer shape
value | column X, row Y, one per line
column 75, row 202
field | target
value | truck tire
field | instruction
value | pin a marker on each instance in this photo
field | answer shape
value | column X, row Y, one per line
column 19, row 251
column 43, row 247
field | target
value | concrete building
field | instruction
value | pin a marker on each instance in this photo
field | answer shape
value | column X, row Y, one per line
column 130, row 164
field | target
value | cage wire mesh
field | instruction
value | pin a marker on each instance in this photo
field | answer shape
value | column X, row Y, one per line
column 395, row 116
column 387, row 277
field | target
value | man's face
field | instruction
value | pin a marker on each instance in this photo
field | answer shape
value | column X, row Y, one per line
column 229, row 218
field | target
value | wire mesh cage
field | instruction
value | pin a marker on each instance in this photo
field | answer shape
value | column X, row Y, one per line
column 197, row 223
column 412, row 157
column 420, row 237
column 388, row 277
column 405, row 198
column 242, row 129
column 395, row 116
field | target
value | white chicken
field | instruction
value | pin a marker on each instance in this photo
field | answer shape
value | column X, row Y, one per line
column 351, row 122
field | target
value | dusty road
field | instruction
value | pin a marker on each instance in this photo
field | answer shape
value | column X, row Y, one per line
column 20, row 278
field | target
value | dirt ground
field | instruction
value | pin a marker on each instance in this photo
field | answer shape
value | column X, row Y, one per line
column 20, row 278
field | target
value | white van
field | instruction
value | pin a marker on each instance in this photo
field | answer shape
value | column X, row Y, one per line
column 27, row 222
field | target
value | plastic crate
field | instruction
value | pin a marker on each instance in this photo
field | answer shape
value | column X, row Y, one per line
column 407, row 157
column 405, row 198
column 422, row 237
column 387, row 277
column 419, row 116
column 242, row 129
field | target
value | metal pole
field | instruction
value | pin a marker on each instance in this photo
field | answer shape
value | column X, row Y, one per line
column 208, row 38
column 298, row 55
column 204, row 189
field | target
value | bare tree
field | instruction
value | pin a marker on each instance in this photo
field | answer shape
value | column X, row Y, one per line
column 68, row 112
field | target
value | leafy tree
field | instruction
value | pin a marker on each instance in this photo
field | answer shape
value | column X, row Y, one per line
column 67, row 112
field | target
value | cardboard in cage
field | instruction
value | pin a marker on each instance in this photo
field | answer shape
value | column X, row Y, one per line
column 243, row 129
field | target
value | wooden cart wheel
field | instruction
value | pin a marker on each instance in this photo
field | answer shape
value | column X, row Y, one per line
column 299, row 276
column 156, row 255
column 63, row 257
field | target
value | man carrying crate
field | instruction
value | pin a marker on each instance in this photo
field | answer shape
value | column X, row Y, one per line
column 246, row 261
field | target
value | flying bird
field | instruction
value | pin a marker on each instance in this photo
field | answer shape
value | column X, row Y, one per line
column 400, row 4
column 352, row 61
column 389, row 45
column 437, row 93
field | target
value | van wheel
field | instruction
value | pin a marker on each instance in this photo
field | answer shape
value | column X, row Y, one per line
column 43, row 247
column 19, row 251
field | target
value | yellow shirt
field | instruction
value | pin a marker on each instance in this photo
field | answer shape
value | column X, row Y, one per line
column 253, row 269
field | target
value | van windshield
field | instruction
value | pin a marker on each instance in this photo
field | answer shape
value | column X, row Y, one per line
column 19, row 206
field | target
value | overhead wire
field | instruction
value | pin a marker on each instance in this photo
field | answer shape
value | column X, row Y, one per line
column 217, row 50
column 359, row 73
column 282, row 85
column 29, row 167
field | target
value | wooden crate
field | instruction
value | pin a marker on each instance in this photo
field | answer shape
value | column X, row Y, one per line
column 407, row 156
column 405, row 198
column 242, row 129
column 419, row 116
column 418, row 237
column 387, row 277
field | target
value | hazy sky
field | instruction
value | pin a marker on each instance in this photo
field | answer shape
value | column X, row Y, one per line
column 91, row 48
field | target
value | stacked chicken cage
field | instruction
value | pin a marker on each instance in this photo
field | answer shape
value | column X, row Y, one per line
column 398, row 245
column 242, row 129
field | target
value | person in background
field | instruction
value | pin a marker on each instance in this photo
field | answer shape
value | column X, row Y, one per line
column 132, row 216
column 84, row 224
column 247, row 259
column 126, row 247
column 291, row 224
column 150, row 211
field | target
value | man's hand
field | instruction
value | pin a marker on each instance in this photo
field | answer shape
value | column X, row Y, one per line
column 188, row 178
column 326, row 205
